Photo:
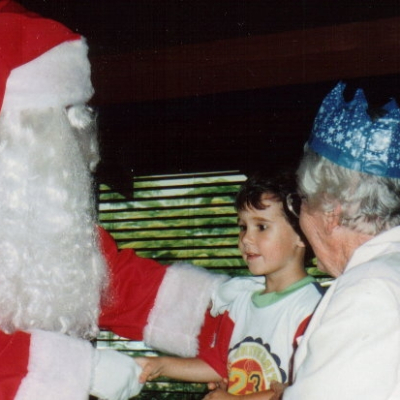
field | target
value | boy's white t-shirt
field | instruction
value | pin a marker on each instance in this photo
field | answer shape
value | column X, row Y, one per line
column 262, row 328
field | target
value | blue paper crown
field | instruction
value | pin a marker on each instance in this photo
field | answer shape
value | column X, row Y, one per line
column 344, row 133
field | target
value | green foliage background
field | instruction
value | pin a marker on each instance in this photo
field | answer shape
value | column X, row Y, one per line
column 191, row 220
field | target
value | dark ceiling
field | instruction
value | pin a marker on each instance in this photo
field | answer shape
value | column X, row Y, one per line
column 114, row 26
column 201, row 85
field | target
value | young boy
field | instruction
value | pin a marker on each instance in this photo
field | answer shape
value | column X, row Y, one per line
column 261, row 316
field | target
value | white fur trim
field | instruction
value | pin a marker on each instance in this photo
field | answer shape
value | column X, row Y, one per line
column 178, row 314
column 59, row 368
column 59, row 77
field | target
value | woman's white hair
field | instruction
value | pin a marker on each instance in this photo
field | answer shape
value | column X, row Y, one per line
column 370, row 204
column 52, row 273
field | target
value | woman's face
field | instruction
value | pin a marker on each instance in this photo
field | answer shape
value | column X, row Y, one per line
column 317, row 226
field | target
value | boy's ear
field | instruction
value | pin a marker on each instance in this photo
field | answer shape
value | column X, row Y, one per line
column 332, row 219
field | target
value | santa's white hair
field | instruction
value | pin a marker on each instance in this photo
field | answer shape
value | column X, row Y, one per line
column 52, row 273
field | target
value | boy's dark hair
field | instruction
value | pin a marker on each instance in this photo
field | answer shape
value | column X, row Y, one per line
column 279, row 186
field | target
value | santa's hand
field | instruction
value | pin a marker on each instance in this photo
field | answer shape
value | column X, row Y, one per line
column 115, row 376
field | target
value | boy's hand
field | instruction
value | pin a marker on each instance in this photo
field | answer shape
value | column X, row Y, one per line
column 219, row 394
column 219, row 391
column 151, row 368
column 223, row 385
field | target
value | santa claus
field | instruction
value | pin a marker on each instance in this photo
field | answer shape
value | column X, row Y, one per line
column 61, row 276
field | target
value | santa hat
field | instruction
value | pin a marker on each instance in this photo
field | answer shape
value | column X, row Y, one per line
column 42, row 63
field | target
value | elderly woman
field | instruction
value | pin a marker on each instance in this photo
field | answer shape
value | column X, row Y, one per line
column 350, row 212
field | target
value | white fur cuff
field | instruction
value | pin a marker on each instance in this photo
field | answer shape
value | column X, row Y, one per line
column 59, row 368
column 178, row 314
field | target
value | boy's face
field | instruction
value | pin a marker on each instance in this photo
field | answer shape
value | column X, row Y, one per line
column 268, row 243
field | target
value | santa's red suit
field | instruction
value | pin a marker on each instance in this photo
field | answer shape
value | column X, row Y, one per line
column 165, row 306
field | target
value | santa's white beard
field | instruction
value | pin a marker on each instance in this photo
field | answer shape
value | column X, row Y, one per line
column 52, row 274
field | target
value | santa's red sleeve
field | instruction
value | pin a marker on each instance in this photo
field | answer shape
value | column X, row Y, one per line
column 163, row 305
column 44, row 365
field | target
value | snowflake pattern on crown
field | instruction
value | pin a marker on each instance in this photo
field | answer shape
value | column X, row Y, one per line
column 344, row 133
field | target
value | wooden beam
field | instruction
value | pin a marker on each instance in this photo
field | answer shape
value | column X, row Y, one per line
column 298, row 57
